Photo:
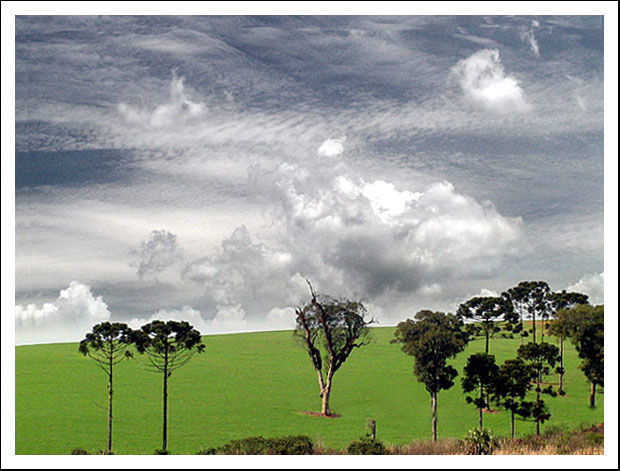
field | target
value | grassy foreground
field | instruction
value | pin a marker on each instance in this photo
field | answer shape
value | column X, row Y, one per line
column 255, row 384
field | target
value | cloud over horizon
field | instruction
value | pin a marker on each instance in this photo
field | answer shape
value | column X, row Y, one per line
column 72, row 314
column 208, row 165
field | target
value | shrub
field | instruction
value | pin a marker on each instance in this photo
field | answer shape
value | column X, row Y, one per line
column 207, row 451
column 244, row 446
column 367, row 446
column 291, row 445
column 594, row 438
column 79, row 451
column 480, row 441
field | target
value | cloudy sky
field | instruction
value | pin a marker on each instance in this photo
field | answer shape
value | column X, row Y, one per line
column 203, row 167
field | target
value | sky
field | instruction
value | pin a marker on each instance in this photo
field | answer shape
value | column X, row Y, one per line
column 204, row 167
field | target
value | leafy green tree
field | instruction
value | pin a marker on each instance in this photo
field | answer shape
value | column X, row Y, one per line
column 541, row 357
column 107, row 344
column 168, row 346
column 480, row 374
column 488, row 311
column 513, row 381
column 585, row 327
column 432, row 338
column 563, row 300
column 329, row 330
column 531, row 299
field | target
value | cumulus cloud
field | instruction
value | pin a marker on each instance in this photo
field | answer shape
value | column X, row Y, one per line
column 484, row 82
column 244, row 272
column 227, row 319
column 281, row 318
column 331, row 147
column 380, row 238
column 593, row 285
column 68, row 318
column 156, row 253
column 178, row 108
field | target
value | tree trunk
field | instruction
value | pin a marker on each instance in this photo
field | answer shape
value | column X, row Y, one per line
column 110, row 408
column 164, row 442
column 512, row 424
column 592, row 394
column 325, row 397
column 537, row 401
column 561, row 375
column 434, row 416
column 486, row 342
column 480, row 409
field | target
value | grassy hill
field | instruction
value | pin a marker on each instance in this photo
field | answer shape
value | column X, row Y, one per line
column 254, row 384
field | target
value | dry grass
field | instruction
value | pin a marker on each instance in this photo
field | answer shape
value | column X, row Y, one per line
column 428, row 447
column 555, row 441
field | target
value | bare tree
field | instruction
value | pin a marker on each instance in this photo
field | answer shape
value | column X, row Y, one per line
column 329, row 330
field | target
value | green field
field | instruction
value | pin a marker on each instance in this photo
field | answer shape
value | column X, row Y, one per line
column 254, row 384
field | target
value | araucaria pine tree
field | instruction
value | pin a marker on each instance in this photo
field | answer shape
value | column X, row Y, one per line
column 480, row 375
column 432, row 338
column 531, row 299
column 168, row 346
column 513, row 381
column 540, row 357
column 107, row 344
column 487, row 311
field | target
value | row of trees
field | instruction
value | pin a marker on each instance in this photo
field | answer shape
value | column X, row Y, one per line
column 330, row 329
column 166, row 345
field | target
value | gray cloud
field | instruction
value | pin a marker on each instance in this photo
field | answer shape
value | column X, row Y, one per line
column 155, row 254
column 439, row 185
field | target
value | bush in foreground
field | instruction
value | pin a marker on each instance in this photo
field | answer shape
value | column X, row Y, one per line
column 367, row 446
column 291, row 445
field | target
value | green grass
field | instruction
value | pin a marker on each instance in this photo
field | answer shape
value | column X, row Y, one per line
column 254, row 384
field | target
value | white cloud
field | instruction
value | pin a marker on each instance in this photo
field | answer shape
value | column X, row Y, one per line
column 593, row 285
column 527, row 36
column 68, row 318
column 483, row 81
column 227, row 319
column 178, row 108
column 331, row 147
column 488, row 293
column 281, row 318
column 367, row 237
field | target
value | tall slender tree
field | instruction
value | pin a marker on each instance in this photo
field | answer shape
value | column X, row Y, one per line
column 532, row 299
column 168, row 346
column 513, row 381
column 540, row 357
column 480, row 374
column 563, row 300
column 585, row 327
column 107, row 344
column 329, row 330
column 488, row 311
column 432, row 338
